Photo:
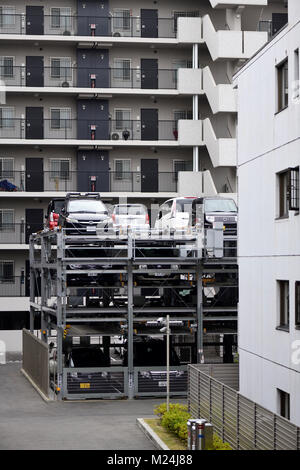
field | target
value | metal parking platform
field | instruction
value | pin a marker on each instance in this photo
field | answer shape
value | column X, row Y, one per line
column 109, row 294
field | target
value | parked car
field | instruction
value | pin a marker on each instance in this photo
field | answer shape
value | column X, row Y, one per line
column 174, row 214
column 84, row 213
column 215, row 209
column 53, row 212
column 134, row 216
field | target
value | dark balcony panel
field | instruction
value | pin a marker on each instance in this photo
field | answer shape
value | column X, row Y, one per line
column 93, row 18
column 93, row 68
column 93, row 123
column 93, row 171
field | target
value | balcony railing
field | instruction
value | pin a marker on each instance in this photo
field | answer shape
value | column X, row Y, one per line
column 12, row 233
column 87, row 26
column 79, row 129
column 82, row 77
column 12, row 286
column 109, row 181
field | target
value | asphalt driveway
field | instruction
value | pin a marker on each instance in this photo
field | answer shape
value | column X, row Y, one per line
column 27, row 422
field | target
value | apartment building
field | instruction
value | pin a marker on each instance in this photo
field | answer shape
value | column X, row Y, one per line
column 269, row 223
column 131, row 99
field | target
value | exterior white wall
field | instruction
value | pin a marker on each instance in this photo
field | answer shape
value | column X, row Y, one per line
column 268, row 142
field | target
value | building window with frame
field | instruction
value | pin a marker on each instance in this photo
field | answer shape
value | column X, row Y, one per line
column 7, row 271
column 297, row 304
column 284, row 305
column 284, row 403
column 122, row 169
column 61, row 68
column 7, row 115
column 7, row 220
column 282, row 85
column 6, row 168
column 61, row 118
column 122, row 69
column 7, row 16
column 60, row 169
column 288, row 192
column 122, row 119
column 179, row 165
column 61, row 18
column 121, row 20
column 6, row 67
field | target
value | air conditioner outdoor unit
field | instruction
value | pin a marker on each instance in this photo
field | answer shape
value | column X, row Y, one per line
column 65, row 84
column 117, row 34
column 116, row 135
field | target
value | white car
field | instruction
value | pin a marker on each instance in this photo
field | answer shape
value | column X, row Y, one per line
column 174, row 214
column 131, row 216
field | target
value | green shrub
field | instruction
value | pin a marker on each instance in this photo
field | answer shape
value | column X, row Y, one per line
column 175, row 420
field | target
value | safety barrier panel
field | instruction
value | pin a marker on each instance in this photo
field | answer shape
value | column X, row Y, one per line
column 104, row 382
column 152, row 381
column 36, row 361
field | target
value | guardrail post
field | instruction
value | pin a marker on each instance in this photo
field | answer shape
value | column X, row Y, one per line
column 223, row 413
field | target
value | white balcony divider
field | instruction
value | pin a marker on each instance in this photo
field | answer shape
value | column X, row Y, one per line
column 222, row 98
column 231, row 44
column 222, row 151
column 190, row 133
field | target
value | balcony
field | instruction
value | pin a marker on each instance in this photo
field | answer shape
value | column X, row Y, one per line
column 87, row 130
column 79, row 77
column 108, row 182
column 118, row 27
column 12, row 234
column 13, row 287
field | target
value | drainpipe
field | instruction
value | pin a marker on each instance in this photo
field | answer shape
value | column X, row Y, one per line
column 195, row 108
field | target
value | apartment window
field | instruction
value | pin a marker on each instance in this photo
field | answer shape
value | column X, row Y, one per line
column 6, row 67
column 284, row 304
column 284, row 403
column 288, row 191
column 282, row 85
column 123, row 119
column 183, row 14
column 6, row 168
column 7, row 117
column 297, row 303
column 122, row 169
column 61, row 68
column 7, row 16
column 6, row 271
column 61, row 18
column 122, row 69
column 60, row 169
column 6, row 220
column 121, row 20
column 60, row 118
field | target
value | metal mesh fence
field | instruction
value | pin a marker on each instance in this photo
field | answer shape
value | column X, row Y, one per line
column 36, row 361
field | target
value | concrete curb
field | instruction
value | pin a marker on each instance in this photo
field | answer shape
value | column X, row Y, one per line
column 145, row 428
column 43, row 396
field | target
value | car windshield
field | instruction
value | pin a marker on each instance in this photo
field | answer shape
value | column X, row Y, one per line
column 86, row 206
column 220, row 205
column 130, row 210
column 184, row 205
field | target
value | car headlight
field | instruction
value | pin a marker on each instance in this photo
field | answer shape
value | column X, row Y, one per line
column 210, row 218
column 71, row 221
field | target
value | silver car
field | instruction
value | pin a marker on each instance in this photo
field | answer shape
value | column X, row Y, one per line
column 131, row 216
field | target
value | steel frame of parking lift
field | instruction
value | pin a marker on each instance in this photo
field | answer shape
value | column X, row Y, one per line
column 53, row 271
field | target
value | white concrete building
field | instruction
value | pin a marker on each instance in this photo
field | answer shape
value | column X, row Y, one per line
column 269, row 222
column 133, row 93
